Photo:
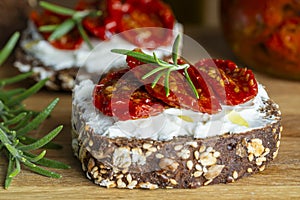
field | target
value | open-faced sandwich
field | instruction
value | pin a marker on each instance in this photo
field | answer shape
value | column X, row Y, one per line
column 59, row 40
column 167, row 123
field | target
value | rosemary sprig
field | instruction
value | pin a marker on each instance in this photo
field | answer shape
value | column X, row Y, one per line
column 76, row 17
column 16, row 122
column 163, row 68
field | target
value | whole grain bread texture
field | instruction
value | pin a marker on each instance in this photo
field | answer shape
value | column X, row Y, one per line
column 183, row 162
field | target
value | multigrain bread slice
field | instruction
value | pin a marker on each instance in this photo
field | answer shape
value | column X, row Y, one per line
column 182, row 162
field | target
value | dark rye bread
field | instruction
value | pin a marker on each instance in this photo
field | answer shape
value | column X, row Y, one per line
column 182, row 162
column 59, row 80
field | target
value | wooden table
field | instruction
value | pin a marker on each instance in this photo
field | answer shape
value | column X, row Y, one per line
column 281, row 179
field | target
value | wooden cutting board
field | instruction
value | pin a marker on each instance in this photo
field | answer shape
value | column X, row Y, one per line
column 280, row 180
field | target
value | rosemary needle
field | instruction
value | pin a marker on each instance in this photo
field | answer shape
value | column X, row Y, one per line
column 5, row 52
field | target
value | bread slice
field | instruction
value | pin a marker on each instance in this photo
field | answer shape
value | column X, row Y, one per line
column 180, row 162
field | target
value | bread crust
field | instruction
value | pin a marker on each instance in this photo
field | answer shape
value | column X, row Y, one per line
column 183, row 162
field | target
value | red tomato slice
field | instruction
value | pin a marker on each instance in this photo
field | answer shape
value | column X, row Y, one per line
column 232, row 85
column 121, row 95
column 70, row 41
column 101, row 28
column 145, row 14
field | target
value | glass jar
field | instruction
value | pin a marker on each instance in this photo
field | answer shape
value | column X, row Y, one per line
column 264, row 34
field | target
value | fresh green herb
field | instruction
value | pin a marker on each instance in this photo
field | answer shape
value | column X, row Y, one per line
column 5, row 52
column 62, row 29
column 57, row 9
column 75, row 19
column 16, row 122
column 163, row 68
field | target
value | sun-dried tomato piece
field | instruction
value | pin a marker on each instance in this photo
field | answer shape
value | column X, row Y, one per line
column 181, row 94
column 121, row 94
column 133, row 62
column 70, row 41
column 284, row 43
column 104, row 26
column 145, row 14
column 231, row 85
column 207, row 99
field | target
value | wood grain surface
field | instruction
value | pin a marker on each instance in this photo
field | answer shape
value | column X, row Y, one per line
column 280, row 180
